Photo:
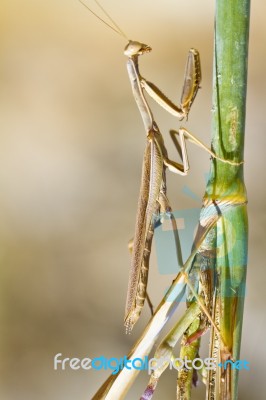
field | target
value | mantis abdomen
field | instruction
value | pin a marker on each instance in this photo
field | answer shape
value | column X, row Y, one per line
column 148, row 206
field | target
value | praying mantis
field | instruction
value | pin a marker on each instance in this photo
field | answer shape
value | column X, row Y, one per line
column 153, row 199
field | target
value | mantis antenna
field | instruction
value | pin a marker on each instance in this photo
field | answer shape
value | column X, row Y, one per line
column 117, row 29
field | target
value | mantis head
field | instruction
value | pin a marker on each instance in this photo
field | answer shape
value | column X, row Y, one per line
column 136, row 49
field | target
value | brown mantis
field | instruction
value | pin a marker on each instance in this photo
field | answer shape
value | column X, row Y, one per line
column 152, row 197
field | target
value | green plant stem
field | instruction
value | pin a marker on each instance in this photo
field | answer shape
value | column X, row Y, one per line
column 226, row 182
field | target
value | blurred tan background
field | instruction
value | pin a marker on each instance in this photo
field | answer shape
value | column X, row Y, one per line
column 71, row 149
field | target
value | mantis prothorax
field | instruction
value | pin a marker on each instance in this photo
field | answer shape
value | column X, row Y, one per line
column 152, row 197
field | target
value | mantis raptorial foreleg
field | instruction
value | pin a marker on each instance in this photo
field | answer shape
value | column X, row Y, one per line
column 191, row 84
